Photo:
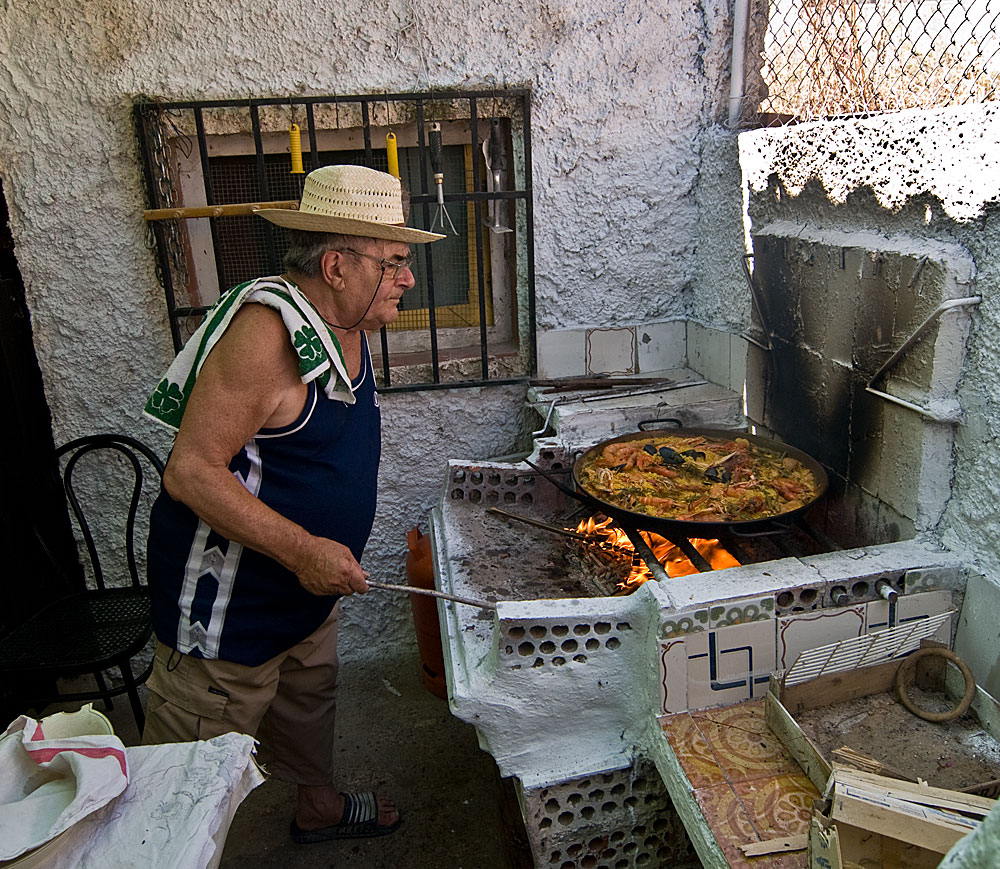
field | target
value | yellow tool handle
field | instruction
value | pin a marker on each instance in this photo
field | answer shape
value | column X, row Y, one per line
column 295, row 147
column 392, row 153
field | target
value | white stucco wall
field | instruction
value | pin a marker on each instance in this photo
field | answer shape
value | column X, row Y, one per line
column 622, row 95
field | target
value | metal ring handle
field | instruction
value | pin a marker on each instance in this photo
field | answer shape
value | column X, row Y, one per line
column 907, row 670
column 643, row 423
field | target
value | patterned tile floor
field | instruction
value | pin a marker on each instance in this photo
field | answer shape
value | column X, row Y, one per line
column 747, row 785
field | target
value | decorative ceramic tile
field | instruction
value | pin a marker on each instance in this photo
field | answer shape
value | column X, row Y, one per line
column 880, row 615
column 673, row 676
column 611, row 351
column 678, row 624
column 661, row 346
column 810, row 630
column 692, row 751
column 729, row 821
column 739, row 612
column 733, row 823
column 747, row 786
column 779, row 806
column 730, row 664
column 561, row 353
column 742, row 743
column 920, row 606
column 928, row 578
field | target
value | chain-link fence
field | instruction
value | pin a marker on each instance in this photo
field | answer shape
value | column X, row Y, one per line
column 813, row 59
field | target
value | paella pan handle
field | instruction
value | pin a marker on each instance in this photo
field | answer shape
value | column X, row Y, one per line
column 772, row 530
column 559, row 484
column 675, row 423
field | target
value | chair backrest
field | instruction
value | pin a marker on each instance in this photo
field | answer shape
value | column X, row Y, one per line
column 134, row 451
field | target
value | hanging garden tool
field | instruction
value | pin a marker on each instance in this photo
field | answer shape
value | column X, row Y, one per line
column 391, row 151
column 295, row 149
column 392, row 154
column 434, row 138
column 495, row 164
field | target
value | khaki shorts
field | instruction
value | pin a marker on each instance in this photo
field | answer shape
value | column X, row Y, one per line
column 288, row 703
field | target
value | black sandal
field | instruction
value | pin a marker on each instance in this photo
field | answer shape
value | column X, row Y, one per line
column 360, row 821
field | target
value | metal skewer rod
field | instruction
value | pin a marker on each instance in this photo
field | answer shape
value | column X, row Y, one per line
column 409, row 589
column 555, row 529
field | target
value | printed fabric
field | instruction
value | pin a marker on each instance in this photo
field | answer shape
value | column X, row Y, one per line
column 319, row 352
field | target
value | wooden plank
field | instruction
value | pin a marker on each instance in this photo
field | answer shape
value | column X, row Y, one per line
column 775, row 846
column 839, row 687
column 824, row 844
column 863, row 848
column 918, row 827
column 923, row 794
column 798, row 744
column 232, row 210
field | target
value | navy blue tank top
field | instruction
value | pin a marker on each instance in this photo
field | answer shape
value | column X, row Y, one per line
column 213, row 598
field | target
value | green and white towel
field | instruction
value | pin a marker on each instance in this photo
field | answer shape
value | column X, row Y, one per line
column 319, row 351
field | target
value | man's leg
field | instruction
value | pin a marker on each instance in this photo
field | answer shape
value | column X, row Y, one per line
column 192, row 698
column 297, row 732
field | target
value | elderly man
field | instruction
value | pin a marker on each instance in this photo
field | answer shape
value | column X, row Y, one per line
column 269, row 494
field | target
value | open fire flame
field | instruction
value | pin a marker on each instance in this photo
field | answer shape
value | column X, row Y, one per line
column 674, row 561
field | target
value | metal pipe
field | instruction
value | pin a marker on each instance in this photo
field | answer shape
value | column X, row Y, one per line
column 409, row 589
column 548, row 417
column 646, row 554
column 949, row 411
column 555, row 529
column 744, row 260
column 737, row 76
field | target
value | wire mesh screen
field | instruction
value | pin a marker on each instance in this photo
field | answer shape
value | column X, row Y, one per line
column 210, row 165
column 829, row 58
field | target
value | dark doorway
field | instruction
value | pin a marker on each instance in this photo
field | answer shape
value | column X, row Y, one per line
column 39, row 556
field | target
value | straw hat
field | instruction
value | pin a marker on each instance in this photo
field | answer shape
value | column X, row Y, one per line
column 351, row 200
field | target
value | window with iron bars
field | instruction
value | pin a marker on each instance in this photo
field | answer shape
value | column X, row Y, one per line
column 815, row 59
column 469, row 320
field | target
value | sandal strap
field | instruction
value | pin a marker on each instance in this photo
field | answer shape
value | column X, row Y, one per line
column 360, row 808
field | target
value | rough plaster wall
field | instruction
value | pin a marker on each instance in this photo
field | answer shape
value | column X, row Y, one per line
column 620, row 96
column 720, row 299
column 939, row 183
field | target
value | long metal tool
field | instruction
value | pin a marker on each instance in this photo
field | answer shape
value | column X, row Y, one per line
column 437, row 166
column 495, row 164
column 409, row 589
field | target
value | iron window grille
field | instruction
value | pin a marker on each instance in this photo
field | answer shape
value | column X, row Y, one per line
column 469, row 321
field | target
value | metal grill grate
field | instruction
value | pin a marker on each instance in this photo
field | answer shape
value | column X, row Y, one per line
column 829, row 58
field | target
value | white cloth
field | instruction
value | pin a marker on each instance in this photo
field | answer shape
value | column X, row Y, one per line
column 320, row 356
column 49, row 785
column 175, row 812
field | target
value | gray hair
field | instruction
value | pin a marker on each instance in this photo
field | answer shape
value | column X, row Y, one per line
column 306, row 249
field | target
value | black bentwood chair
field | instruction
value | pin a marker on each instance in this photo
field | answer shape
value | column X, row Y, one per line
column 102, row 626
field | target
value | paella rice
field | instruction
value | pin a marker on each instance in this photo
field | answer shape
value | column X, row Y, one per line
column 697, row 478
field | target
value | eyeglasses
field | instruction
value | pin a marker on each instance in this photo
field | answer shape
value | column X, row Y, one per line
column 392, row 266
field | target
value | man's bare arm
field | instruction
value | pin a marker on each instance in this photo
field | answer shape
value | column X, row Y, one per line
column 250, row 381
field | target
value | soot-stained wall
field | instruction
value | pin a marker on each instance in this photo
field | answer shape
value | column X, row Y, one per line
column 931, row 180
column 622, row 95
